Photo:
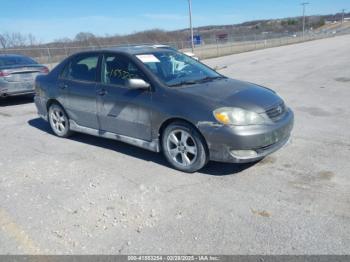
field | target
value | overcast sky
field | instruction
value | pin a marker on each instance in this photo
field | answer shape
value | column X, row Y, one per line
column 49, row 20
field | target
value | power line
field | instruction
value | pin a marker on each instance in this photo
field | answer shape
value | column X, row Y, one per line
column 304, row 7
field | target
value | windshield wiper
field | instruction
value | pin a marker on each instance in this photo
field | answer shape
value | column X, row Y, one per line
column 184, row 83
column 202, row 80
column 209, row 78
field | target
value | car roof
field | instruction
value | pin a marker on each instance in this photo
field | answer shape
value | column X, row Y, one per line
column 11, row 55
column 134, row 49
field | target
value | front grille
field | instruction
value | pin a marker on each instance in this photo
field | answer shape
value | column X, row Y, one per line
column 276, row 112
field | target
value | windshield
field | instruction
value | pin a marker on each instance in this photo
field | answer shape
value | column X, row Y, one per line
column 16, row 60
column 176, row 69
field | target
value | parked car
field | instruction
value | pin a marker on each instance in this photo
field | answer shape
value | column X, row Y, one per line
column 17, row 74
column 142, row 96
column 190, row 54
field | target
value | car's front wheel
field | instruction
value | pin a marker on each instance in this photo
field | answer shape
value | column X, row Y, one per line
column 59, row 121
column 184, row 148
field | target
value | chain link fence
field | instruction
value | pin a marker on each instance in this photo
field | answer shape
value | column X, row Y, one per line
column 207, row 48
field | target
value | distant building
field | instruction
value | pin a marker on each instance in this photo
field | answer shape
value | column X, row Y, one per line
column 222, row 37
column 328, row 22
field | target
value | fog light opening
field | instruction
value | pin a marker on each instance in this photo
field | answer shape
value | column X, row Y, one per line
column 244, row 154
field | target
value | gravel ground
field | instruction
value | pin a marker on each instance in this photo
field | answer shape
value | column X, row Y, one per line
column 88, row 195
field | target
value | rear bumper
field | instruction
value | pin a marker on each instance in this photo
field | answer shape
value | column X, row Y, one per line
column 16, row 88
column 41, row 107
column 254, row 141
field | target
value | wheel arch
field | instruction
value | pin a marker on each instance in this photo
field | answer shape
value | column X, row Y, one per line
column 51, row 102
column 55, row 101
column 169, row 121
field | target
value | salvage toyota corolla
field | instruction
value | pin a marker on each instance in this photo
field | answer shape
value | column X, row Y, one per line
column 164, row 101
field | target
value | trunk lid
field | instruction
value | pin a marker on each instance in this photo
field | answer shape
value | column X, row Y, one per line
column 21, row 73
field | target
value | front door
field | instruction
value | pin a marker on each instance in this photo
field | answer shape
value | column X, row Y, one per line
column 79, row 79
column 122, row 110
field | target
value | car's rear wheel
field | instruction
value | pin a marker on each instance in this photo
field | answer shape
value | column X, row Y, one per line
column 184, row 148
column 59, row 121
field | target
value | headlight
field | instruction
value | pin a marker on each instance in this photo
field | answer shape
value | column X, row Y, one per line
column 237, row 116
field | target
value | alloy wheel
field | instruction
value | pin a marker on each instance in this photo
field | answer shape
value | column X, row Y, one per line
column 182, row 147
column 58, row 120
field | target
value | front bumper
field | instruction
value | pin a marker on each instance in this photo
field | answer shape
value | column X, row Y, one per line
column 262, row 139
column 16, row 88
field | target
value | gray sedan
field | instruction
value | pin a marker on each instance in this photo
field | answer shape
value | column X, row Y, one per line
column 17, row 75
column 163, row 101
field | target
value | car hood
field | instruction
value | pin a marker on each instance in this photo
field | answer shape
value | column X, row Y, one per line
column 233, row 93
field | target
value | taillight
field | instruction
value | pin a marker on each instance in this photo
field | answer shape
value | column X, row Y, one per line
column 4, row 73
column 44, row 70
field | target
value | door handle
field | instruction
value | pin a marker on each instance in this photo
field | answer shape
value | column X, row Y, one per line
column 102, row 92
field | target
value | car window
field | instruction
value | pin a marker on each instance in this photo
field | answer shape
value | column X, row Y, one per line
column 116, row 69
column 83, row 68
column 154, row 67
column 16, row 60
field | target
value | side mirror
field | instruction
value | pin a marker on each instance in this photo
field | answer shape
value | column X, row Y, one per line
column 134, row 83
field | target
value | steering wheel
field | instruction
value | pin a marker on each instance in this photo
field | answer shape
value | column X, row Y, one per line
column 182, row 74
column 185, row 71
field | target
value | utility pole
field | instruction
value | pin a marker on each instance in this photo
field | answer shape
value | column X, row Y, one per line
column 191, row 27
column 342, row 16
column 304, row 6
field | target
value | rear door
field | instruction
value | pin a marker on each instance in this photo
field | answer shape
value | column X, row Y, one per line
column 122, row 110
column 79, row 80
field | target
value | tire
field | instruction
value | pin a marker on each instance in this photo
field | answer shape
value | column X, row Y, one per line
column 59, row 121
column 184, row 148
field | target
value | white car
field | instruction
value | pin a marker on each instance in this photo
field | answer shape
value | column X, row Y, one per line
column 190, row 54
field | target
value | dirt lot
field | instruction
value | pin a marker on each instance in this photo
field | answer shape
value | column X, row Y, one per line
column 87, row 195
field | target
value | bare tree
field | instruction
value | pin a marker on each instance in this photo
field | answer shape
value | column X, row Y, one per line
column 87, row 39
column 32, row 40
column 63, row 40
column 3, row 40
column 18, row 40
column 84, row 36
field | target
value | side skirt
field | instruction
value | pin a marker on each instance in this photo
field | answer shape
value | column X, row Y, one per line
column 152, row 146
